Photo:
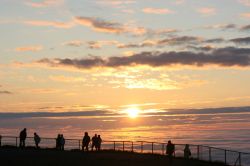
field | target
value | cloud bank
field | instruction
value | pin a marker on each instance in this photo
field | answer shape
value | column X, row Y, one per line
column 223, row 57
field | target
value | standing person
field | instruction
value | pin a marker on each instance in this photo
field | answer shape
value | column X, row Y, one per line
column 58, row 141
column 62, row 142
column 94, row 142
column 187, row 152
column 22, row 137
column 85, row 141
column 170, row 151
column 99, row 142
column 37, row 140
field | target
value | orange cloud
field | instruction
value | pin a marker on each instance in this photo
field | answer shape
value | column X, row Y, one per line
column 54, row 24
column 100, row 25
column 245, row 15
column 156, row 11
column 245, row 2
column 44, row 3
column 29, row 48
column 207, row 11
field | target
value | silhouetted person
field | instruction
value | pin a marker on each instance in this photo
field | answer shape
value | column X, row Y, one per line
column 22, row 137
column 62, row 142
column 170, row 151
column 58, row 141
column 187, row 152
column 37, row 140
column 94, row 142
column 85, row 141
column 99, row 142
column 0, row 140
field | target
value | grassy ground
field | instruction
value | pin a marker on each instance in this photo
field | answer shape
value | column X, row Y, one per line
column 49, row 157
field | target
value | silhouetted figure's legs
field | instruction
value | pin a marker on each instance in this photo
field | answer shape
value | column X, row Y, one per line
column 22, row 143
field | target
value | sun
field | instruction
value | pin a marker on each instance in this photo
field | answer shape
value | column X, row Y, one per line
column 133, row 112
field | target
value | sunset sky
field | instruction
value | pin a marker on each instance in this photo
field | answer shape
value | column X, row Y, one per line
column 83, row 55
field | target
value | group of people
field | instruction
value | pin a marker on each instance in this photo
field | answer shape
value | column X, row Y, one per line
column 23, row 136
column 170, row 151
column 96, row 142
column 60, row 142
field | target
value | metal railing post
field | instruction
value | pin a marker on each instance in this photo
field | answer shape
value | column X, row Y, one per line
column 225, row 156
column 142, row 147
column 210, row 157
column 152, row 147
column 16, row 141
column 132, row 146
column 79, row 141
column 198, row 151
column 162, row 148
column 123, row 146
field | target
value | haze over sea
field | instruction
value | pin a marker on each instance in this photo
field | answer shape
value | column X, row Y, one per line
column 220, row 127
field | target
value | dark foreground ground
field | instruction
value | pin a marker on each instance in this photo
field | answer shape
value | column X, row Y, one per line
column 48, row 157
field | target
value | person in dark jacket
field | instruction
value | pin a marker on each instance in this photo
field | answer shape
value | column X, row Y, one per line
column 22, row 137
column 94, row 142
column 37, row 140
column 187, row 152
column 85, row 141
column 62, row 142
column 170, row 151
column 99, row 142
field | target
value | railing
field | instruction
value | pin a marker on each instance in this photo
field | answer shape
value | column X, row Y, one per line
column 201, row 152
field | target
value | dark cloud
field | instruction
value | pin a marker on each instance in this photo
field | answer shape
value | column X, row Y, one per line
column 244, row 40
column 55, row 114
column 5, row 92
column 203, row 48
column 216, row 40
column 180, row 40
column 229, row 26
column 245, row 28
column 226, row 57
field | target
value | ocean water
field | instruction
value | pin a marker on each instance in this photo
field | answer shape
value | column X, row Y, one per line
column 222, row 129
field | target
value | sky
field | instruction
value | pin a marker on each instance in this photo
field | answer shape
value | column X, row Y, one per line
column 88, row 55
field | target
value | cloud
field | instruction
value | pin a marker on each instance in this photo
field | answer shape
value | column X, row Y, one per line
column 116, row 3
column 244, row 40
column 161, row 32
column 179, row 40
column 100, row 25
column 156, row 11
column 245, row 2
column 56, row 114
column 101, row 43
column 74, row 43
column 5, row 92
column 55, row 24
column 222, row 26
column 44, row 3
column 245, row 28
column 29, row 48
column 207, row 11
column 61, row 78
column 245, row 15
column 223, row 57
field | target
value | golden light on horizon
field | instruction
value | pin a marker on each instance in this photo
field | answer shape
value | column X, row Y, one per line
column 133, row 112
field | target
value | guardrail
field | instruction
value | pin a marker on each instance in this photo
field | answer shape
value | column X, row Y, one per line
column 201, row 152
